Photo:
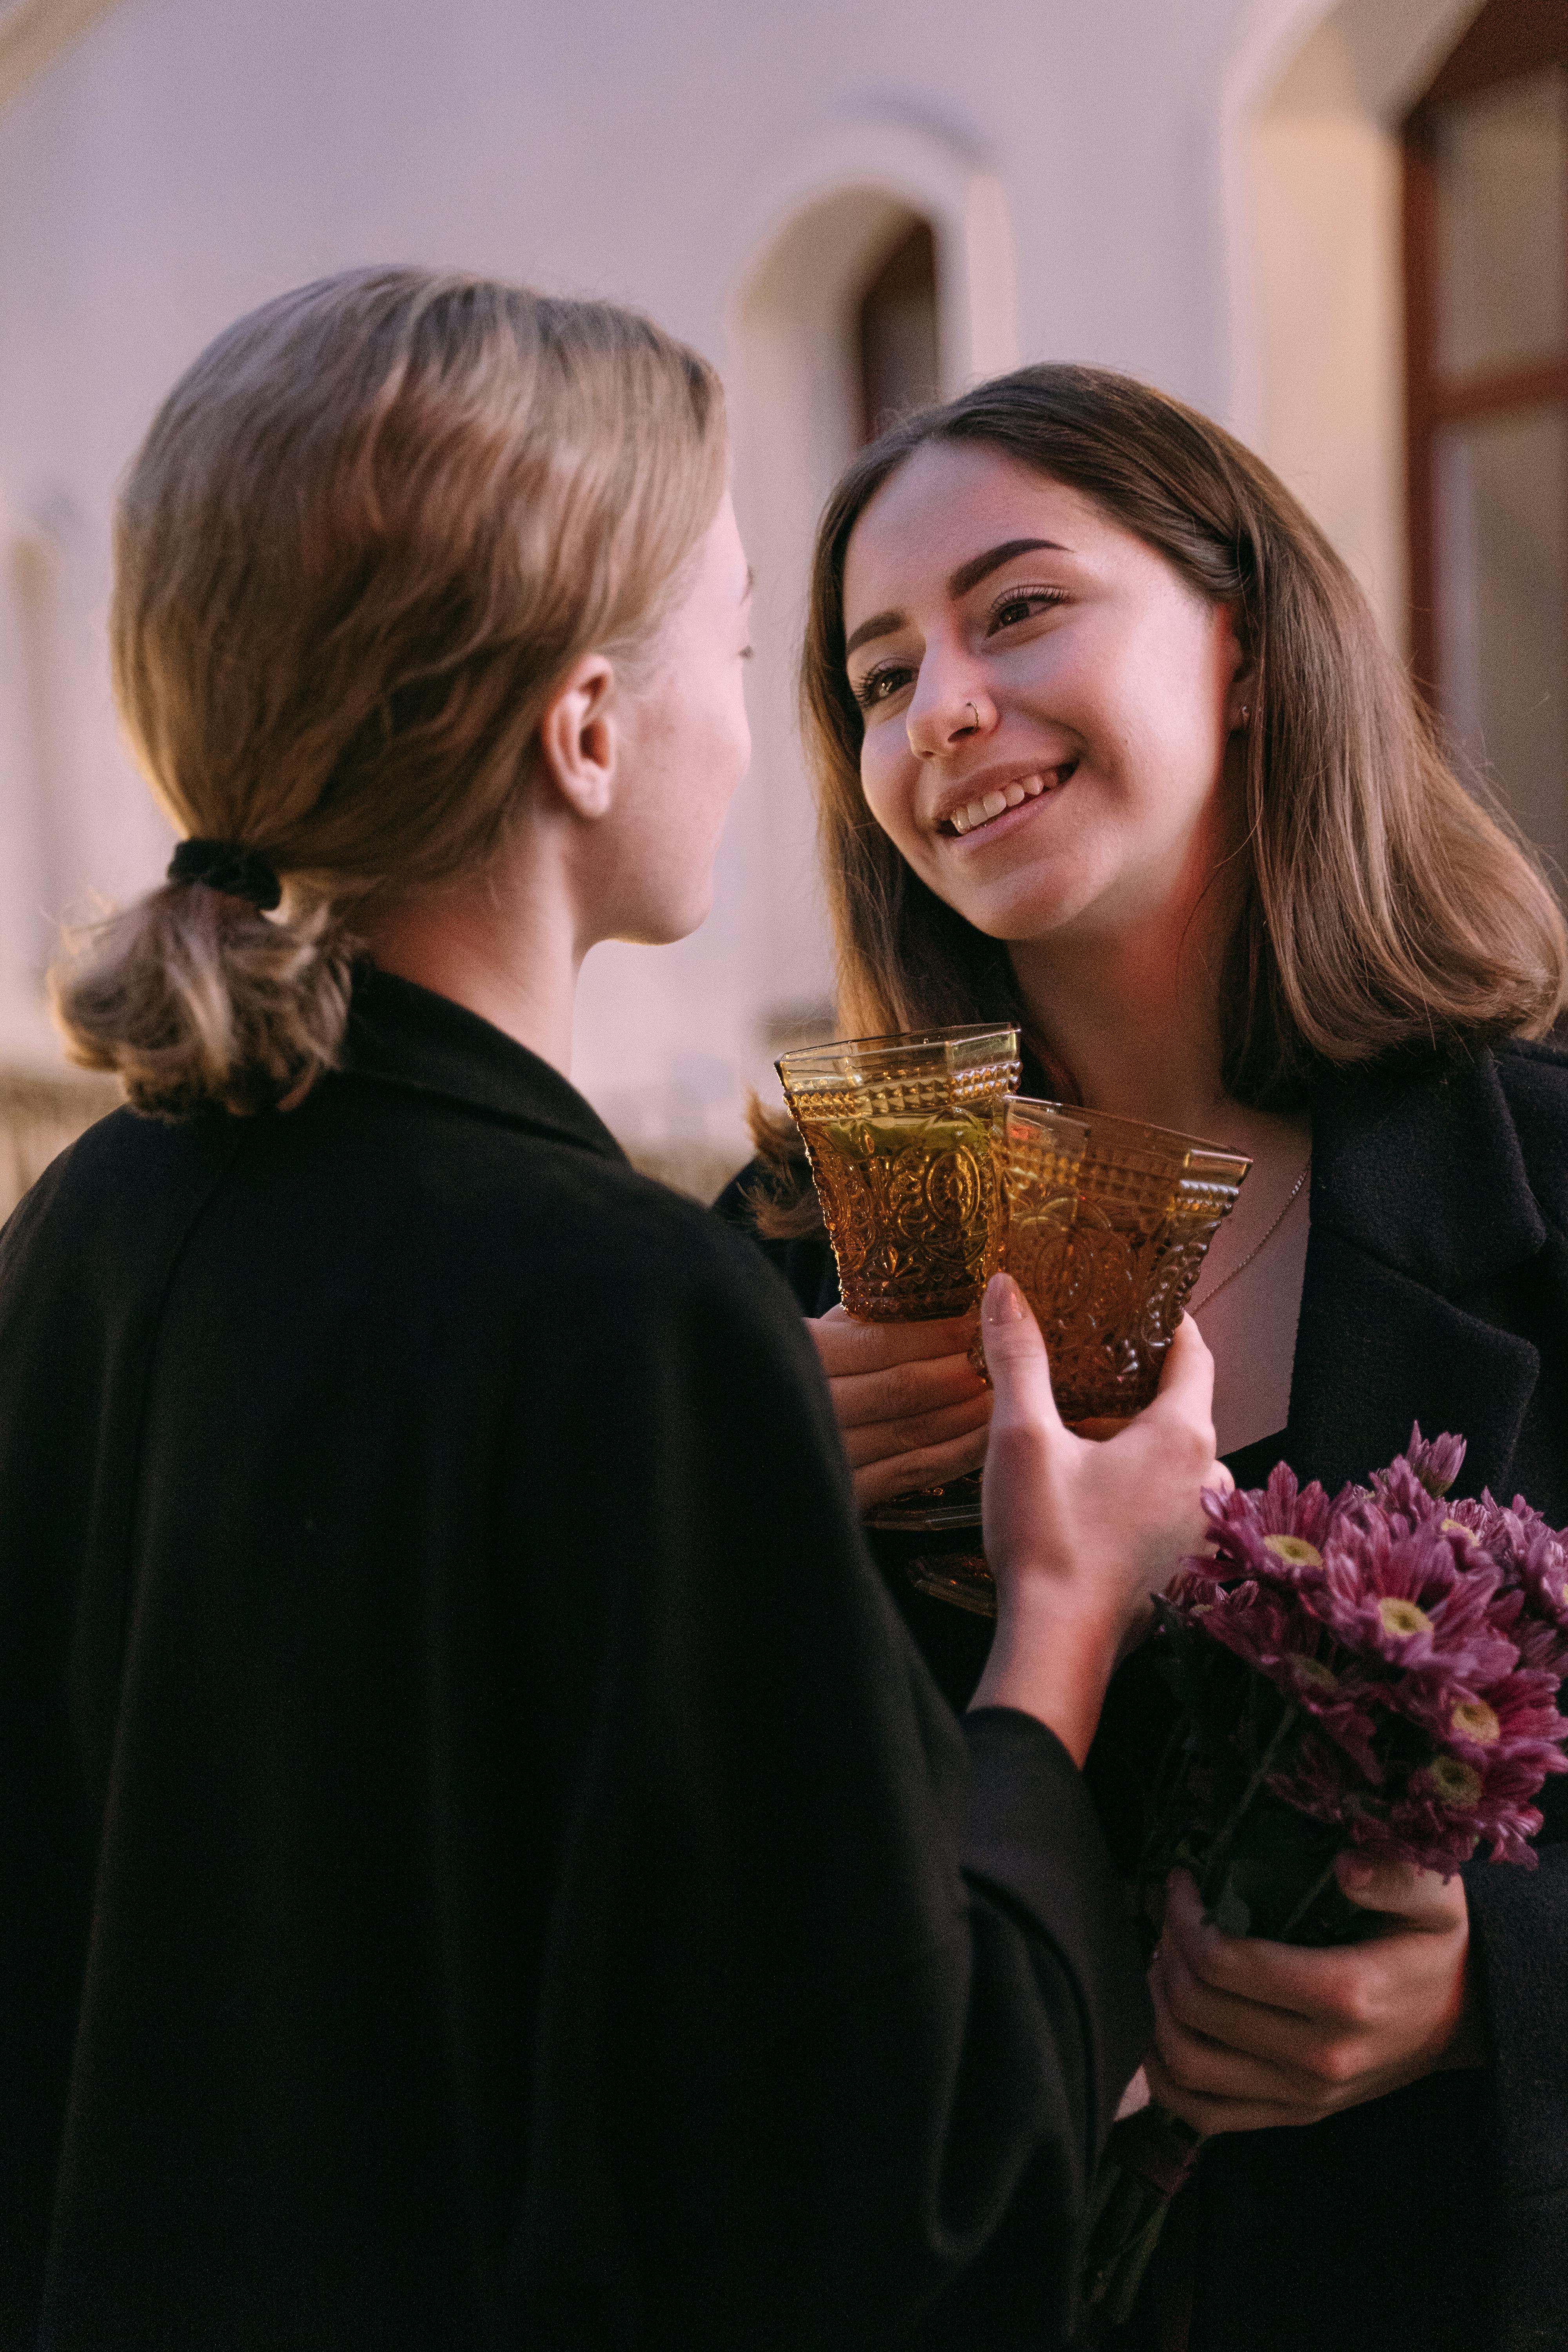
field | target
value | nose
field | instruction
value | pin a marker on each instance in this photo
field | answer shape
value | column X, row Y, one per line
column 939, row 726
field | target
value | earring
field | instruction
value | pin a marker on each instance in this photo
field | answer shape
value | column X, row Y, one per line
column 1246, row 714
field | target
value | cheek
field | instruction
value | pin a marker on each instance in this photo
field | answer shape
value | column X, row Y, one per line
column 887, row 784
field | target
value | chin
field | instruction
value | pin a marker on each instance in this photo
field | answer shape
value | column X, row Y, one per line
column 664, row 927
column 1035, row 918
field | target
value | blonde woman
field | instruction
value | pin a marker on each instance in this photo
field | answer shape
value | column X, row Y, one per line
column 481, row 1863
column 1106, row 742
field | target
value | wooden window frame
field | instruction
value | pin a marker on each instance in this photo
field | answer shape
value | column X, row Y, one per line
column 1510, row 38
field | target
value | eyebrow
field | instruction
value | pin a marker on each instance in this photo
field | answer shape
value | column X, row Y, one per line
column 967, row 576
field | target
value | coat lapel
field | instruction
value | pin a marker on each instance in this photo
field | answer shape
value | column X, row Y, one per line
column 1419, row 1197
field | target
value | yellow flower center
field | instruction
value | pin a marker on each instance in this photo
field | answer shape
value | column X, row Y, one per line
column 1403, row 1617
column 1458, row 1785
column 1475, row 1718
column 1294, row 1550
column 1452, row 1527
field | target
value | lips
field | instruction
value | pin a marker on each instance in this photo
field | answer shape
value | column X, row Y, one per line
column 977, row 814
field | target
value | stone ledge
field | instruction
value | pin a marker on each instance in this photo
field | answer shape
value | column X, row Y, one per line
column 40, row 1112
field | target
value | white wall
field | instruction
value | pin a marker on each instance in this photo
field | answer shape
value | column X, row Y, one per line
column 188, row 158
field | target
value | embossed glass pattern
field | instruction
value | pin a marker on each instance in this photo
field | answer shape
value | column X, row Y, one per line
column 903, row 1137
column 1105, row 1241
column 901, row 1134
column 1109, row 1281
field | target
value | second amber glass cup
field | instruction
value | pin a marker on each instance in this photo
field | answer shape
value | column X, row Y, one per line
column 1107, row 1281
column 903, row 1135
column 1106, row 1246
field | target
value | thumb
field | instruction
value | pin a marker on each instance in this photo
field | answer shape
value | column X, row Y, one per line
column 1186, row 1376
column 1015, row 1355
column 1416, row 1898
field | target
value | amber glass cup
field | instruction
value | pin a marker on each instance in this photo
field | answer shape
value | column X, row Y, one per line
column 1107, row 1284
column 904, row 1138
column 1106, row 1252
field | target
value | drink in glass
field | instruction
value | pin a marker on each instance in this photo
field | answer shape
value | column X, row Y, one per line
column 903, row 1136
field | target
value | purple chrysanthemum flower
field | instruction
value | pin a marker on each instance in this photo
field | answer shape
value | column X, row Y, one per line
column 1415, row 1482
column 1532, row 1558
column 1401, row 1596
column 1514, row 1720
column 1437, row 1461
column 1270, row 1632
column 1269, row 1531
column 1316, row 1782
column 1452, row 1796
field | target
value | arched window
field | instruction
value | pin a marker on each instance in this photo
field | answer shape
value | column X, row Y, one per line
column 898, row 337
column 1486, row 213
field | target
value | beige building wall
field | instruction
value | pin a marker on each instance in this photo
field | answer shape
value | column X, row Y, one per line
column 1199, row 191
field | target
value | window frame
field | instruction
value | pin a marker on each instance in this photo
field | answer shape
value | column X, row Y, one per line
column 1507, row 40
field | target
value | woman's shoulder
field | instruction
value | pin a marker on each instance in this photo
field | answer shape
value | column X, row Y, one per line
column 1533, row 1075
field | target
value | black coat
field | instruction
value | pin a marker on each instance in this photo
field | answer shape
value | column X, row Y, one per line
column 1437, row 1290
column 480, row 1863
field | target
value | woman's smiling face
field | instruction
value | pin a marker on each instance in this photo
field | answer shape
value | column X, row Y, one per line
column 1046, row 702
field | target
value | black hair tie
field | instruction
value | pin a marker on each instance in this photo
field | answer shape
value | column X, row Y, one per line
column 228, row 866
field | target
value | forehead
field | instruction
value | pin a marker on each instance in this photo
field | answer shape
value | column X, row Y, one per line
column 948, row 502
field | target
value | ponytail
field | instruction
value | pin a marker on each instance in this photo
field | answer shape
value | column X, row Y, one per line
column 199, row 1000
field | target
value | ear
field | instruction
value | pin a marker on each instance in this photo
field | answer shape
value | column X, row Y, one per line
column 579, row 738
column 1241, row 696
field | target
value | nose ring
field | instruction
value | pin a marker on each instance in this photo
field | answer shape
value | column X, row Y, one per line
column 970, row 706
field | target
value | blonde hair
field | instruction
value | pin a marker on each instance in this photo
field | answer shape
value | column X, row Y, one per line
column 368, row 531
column 1384, row 914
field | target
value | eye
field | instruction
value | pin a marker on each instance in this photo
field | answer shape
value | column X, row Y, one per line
column 1023, row 605
column 879, row 684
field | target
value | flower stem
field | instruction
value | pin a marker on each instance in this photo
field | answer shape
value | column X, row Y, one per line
column 1305, row 1905
column 1214, row 1876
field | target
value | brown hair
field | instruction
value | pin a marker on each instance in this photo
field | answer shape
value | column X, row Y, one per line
column 1385, row 909
column 1384, row 912
column 368, row 530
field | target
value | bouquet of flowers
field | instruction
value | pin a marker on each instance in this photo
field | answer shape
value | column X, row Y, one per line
column 1379, row 1671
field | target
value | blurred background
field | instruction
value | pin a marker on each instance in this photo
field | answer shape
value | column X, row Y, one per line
column 1341, row 228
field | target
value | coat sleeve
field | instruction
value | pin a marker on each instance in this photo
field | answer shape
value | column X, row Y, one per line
column 839, row 2000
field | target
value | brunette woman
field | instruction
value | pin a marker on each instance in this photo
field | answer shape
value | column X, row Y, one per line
column 482, row 1864
column 1107, row 744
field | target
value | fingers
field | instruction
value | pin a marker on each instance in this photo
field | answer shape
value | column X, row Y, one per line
column 884, row 1441
column 1207, row 2114
column 1186, row 1377
column 929, row 1465
column 906, row 1392
column 848, row 1346
column 1251, row 1967
column 1417, row 1898
column 1220, row 2041
column 1016, row 1357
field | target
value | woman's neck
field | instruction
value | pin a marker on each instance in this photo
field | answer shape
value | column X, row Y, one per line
column 1133, row 1022
column 1134, row 1016
column 500, row 942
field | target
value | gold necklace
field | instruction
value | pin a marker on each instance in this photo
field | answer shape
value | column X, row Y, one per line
column 1196, row 1306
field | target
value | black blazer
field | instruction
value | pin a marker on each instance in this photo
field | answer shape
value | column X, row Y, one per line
column 1435, row 1289
column 480, row 1863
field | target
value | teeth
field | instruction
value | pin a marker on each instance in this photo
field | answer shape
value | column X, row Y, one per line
column 975, row 813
